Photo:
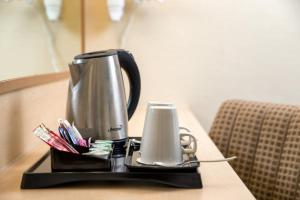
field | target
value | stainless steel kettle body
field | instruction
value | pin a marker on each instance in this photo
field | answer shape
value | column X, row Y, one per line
column 96, row 98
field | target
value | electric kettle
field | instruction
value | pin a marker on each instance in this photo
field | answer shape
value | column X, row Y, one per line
column 96, row 97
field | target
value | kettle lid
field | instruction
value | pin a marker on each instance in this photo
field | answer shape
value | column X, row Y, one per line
column 96, row 54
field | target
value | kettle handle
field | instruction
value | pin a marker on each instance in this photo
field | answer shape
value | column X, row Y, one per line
column 129, row 65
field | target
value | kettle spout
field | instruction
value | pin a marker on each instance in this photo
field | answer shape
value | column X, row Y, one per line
column 75, row 73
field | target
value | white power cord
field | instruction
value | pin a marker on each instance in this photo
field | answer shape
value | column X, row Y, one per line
column 219, row 160
column 193, row 161
column 188, row 162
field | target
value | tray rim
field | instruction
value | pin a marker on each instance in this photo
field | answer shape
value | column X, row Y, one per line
column 38, row 163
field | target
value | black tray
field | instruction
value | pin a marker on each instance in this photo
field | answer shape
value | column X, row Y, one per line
column 41, row 176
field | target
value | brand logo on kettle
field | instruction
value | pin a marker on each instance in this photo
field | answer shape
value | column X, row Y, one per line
column 118, row 128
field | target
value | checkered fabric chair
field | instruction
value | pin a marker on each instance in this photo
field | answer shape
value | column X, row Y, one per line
column 266, row 139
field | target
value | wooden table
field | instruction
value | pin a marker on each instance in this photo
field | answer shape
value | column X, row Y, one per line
column 219, row 179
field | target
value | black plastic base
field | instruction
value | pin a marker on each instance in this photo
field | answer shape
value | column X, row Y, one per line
column 40, row 175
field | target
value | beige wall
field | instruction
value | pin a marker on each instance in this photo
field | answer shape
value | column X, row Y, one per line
column 23, row 42
column 29, row 43
column 202, row 52
column 197, row 53
column 22, row 111
column 24, row 50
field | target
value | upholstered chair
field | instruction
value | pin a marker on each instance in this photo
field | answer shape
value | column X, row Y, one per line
column 266, row 139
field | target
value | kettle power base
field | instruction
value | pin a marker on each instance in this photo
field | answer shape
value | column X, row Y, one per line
column 40, row 175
